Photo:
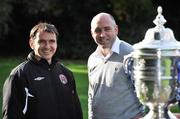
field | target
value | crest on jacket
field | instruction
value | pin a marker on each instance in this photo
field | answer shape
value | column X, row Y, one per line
column 63, row 79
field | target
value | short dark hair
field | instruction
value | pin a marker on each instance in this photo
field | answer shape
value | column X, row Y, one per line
column 41, row 27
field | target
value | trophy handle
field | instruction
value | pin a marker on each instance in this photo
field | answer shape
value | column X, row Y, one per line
column 128, row 63
column 175, row 98
column 128, row 66
column 178, row 82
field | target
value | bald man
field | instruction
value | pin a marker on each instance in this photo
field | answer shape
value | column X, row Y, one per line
column 111, row 94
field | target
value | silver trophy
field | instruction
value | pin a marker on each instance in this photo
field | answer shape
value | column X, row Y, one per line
column 154, row 66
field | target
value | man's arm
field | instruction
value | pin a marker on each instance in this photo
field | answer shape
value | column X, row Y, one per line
column 12, row 99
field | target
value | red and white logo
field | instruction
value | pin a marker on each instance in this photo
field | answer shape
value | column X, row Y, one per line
column 63, row 79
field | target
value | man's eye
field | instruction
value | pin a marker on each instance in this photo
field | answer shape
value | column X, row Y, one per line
column 98, row 30
column 107, row 29
column 41, row 41
column 52, row 41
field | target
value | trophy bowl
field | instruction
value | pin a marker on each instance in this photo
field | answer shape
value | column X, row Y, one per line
column 156, row 83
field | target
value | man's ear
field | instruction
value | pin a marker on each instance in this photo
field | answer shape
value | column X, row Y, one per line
column 31, row 43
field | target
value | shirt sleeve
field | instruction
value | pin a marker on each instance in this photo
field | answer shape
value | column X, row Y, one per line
column 90, row 112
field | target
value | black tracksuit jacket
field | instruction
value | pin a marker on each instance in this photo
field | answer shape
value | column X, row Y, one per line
column 37, row 90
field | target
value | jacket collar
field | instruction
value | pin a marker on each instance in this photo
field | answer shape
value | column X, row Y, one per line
column 31, row 57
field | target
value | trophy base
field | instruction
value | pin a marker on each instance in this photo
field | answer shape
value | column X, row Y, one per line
column 152, row 115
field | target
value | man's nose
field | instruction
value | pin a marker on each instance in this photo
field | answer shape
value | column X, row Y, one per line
column 102, row 33
column 47, row 44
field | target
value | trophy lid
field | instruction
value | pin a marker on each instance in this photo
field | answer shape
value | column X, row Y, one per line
column 158, row 37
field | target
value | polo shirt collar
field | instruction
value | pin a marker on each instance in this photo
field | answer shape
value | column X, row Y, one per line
column 115, row 46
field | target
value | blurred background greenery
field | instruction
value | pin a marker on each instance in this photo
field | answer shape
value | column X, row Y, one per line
column 72, row 18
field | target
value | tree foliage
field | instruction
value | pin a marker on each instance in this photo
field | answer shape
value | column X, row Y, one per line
column 5, row 19
column 72, row 18
column 135, row 17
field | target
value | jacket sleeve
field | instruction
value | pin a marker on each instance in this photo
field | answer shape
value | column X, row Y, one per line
column 12, row 98
column 77, row 103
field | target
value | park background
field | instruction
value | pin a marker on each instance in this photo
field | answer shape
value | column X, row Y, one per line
column 72, row 19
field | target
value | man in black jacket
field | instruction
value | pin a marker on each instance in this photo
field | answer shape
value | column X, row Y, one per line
column 41, row 87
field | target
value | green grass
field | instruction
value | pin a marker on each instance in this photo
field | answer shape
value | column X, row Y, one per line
column 78, row 67
column 80, row 72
